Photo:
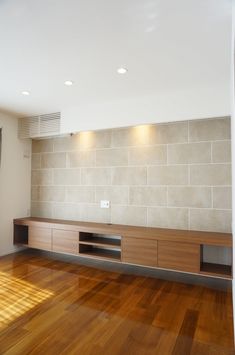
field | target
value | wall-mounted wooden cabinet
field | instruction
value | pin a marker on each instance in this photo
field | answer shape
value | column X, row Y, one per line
column 139, row 251
column 151, row 247
column 64, row 241
column 40, row 238
column 179, row 256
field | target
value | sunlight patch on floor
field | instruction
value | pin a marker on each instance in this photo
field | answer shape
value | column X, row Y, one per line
column 17, row 297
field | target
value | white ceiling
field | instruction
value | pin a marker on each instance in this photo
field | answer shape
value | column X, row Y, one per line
column 167, row 45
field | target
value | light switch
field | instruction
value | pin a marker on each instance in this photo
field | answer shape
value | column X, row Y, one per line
column 104, row 204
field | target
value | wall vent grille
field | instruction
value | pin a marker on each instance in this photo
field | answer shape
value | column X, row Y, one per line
column 39, row 126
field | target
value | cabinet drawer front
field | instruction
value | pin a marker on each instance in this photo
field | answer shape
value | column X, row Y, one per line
column 139, row 251
column 39, row 238
column 179, row 256
column 65, row 241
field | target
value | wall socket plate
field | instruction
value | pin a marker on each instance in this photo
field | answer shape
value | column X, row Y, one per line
column 104, row 204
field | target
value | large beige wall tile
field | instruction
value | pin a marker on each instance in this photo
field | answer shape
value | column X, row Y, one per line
column 211, row 220
column 67, row 176
column 151, row 134
column 151, row 155
column 42, row 145
column 168, row 217
column 86, row 140
column 94, row 140
column 42, row 177
column 132, row 136
column 52, row 193
column 81, row 159
column 112, row 157
column 222, row 197
column 93, row 213
column 103, row 139
column 209, row 130
column 85, row 194
column 114, row 194
column 189, row 196
column 221, row 152
column 122, row 137
column 148, row 195
column 130, row 215
column 189, row 153
column 96, row 176
column 169, row 133
column 36, row 161
column 214, row 174
column 66, row 144
column 168, row 175
column 41, row 209
column 129, row 176
column 35, row 193
column 69, row 211
column 53, row 160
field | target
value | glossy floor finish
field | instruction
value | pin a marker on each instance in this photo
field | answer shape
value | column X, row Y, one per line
column 49, row 306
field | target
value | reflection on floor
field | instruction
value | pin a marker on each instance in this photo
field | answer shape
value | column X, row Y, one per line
column 17, row 297
column 58, row 307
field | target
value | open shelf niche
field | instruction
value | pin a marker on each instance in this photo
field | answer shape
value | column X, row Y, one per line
column 21, row 234
column 100, row 245
column 209, row 264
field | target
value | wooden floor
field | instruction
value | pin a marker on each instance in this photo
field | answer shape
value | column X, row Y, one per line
column 57, row 307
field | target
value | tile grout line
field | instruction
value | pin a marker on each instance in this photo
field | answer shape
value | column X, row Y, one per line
column 167, row 154
column 211, row 154
column 135, row 166
column 137, row 206
column 188, row 131
column 212, row 197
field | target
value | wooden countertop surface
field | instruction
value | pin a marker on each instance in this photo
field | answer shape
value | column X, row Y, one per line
column 198, row 237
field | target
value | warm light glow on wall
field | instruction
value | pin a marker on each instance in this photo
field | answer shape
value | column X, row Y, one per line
column 86, row 139
column 17, row 297
column 141, row 134
column 76, row 142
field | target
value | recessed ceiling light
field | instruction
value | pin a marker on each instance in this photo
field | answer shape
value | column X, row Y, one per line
column 26, row 93
column 68, row 82
column 122, row 70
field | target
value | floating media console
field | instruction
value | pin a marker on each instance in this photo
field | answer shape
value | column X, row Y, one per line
column 168, row 249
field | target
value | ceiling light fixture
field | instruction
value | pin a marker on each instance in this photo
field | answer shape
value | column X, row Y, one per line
column 25, row 93
column 68, row 83
column 122, row 70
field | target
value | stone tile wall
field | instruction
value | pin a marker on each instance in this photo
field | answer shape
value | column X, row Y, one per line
column 175, row 175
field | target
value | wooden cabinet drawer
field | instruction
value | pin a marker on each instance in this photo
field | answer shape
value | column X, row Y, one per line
column 139, row 251
column 179, row 256
column 39, row 238
column 65, row 241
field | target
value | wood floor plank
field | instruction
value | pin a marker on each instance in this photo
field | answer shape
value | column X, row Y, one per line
column 184, row 341
column 50, row 306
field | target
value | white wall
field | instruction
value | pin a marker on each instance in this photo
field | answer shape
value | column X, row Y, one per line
column 15, row 180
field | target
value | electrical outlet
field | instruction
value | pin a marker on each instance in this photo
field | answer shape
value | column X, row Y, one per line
column 104, row 204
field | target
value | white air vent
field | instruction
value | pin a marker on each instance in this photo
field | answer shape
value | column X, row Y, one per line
column 39, row 126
